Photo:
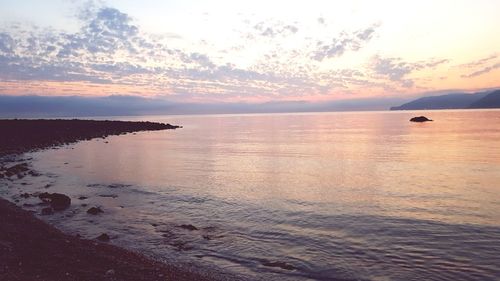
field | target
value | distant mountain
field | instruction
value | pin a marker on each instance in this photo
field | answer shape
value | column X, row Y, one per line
column 454, row 101
column 492, row 100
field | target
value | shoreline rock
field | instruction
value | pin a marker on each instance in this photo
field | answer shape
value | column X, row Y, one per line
column 95, row 211
column 103, row 237
column 57, row 201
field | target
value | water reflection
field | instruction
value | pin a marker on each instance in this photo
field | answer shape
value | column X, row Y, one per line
column 357, row 195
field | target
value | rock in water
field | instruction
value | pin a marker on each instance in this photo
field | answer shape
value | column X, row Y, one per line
column 57, row 201
column 47, row 211
column 188, row 227
column 25, row 195
column 103, row 237
column 420, row 119
column 95, row 211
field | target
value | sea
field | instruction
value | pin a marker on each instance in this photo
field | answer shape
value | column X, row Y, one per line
column 291, row 196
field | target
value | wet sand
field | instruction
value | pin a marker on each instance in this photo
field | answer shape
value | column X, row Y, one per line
column 30, row 249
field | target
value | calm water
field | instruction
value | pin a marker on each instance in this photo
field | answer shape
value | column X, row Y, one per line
column 317, row 196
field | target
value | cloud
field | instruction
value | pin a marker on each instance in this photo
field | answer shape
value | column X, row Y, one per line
column 275, row 29
column 202, row 60
column 396, row 69
column 21, row 68
column 481, row 66
column 479, row 62
column 393, row 68
column 109, row 53
column 482, row 71
column 343, row 43
column 106, row 31
column 6, row 43
column 110, row 49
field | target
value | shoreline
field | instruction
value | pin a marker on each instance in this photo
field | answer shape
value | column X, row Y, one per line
column 31, row 249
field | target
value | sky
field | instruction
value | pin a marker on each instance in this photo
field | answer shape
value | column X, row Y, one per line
column 248, row 51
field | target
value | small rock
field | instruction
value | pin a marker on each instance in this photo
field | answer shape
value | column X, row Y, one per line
column 110, row 272
column 103, row 237
column 181, row 246
column 95, row 211
column 118, row 185
column 82, row 198
column 108, row 195
column 25, row 195
column 47, row 211
column 188, row 227
column 16, row 169
column 34, row 174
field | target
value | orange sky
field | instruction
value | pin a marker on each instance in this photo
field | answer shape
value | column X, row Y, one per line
column 254, row 52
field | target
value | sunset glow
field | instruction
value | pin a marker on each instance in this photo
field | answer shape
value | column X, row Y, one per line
column 228, row 51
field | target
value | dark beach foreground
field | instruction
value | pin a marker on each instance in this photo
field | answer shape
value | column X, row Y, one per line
column 30, row 249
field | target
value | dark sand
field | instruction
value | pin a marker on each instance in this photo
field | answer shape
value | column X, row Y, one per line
column 30, row 249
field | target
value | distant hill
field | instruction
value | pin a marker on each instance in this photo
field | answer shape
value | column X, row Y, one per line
column 454, row 101
column 492, row 100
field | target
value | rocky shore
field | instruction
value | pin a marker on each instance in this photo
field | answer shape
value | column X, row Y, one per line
column 23, row 135
column 30, row 249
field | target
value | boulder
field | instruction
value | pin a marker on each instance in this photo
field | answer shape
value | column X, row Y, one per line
column 420, row 119
column 57, row 201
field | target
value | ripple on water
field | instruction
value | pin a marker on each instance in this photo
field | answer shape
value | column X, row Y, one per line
column 278, row 242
